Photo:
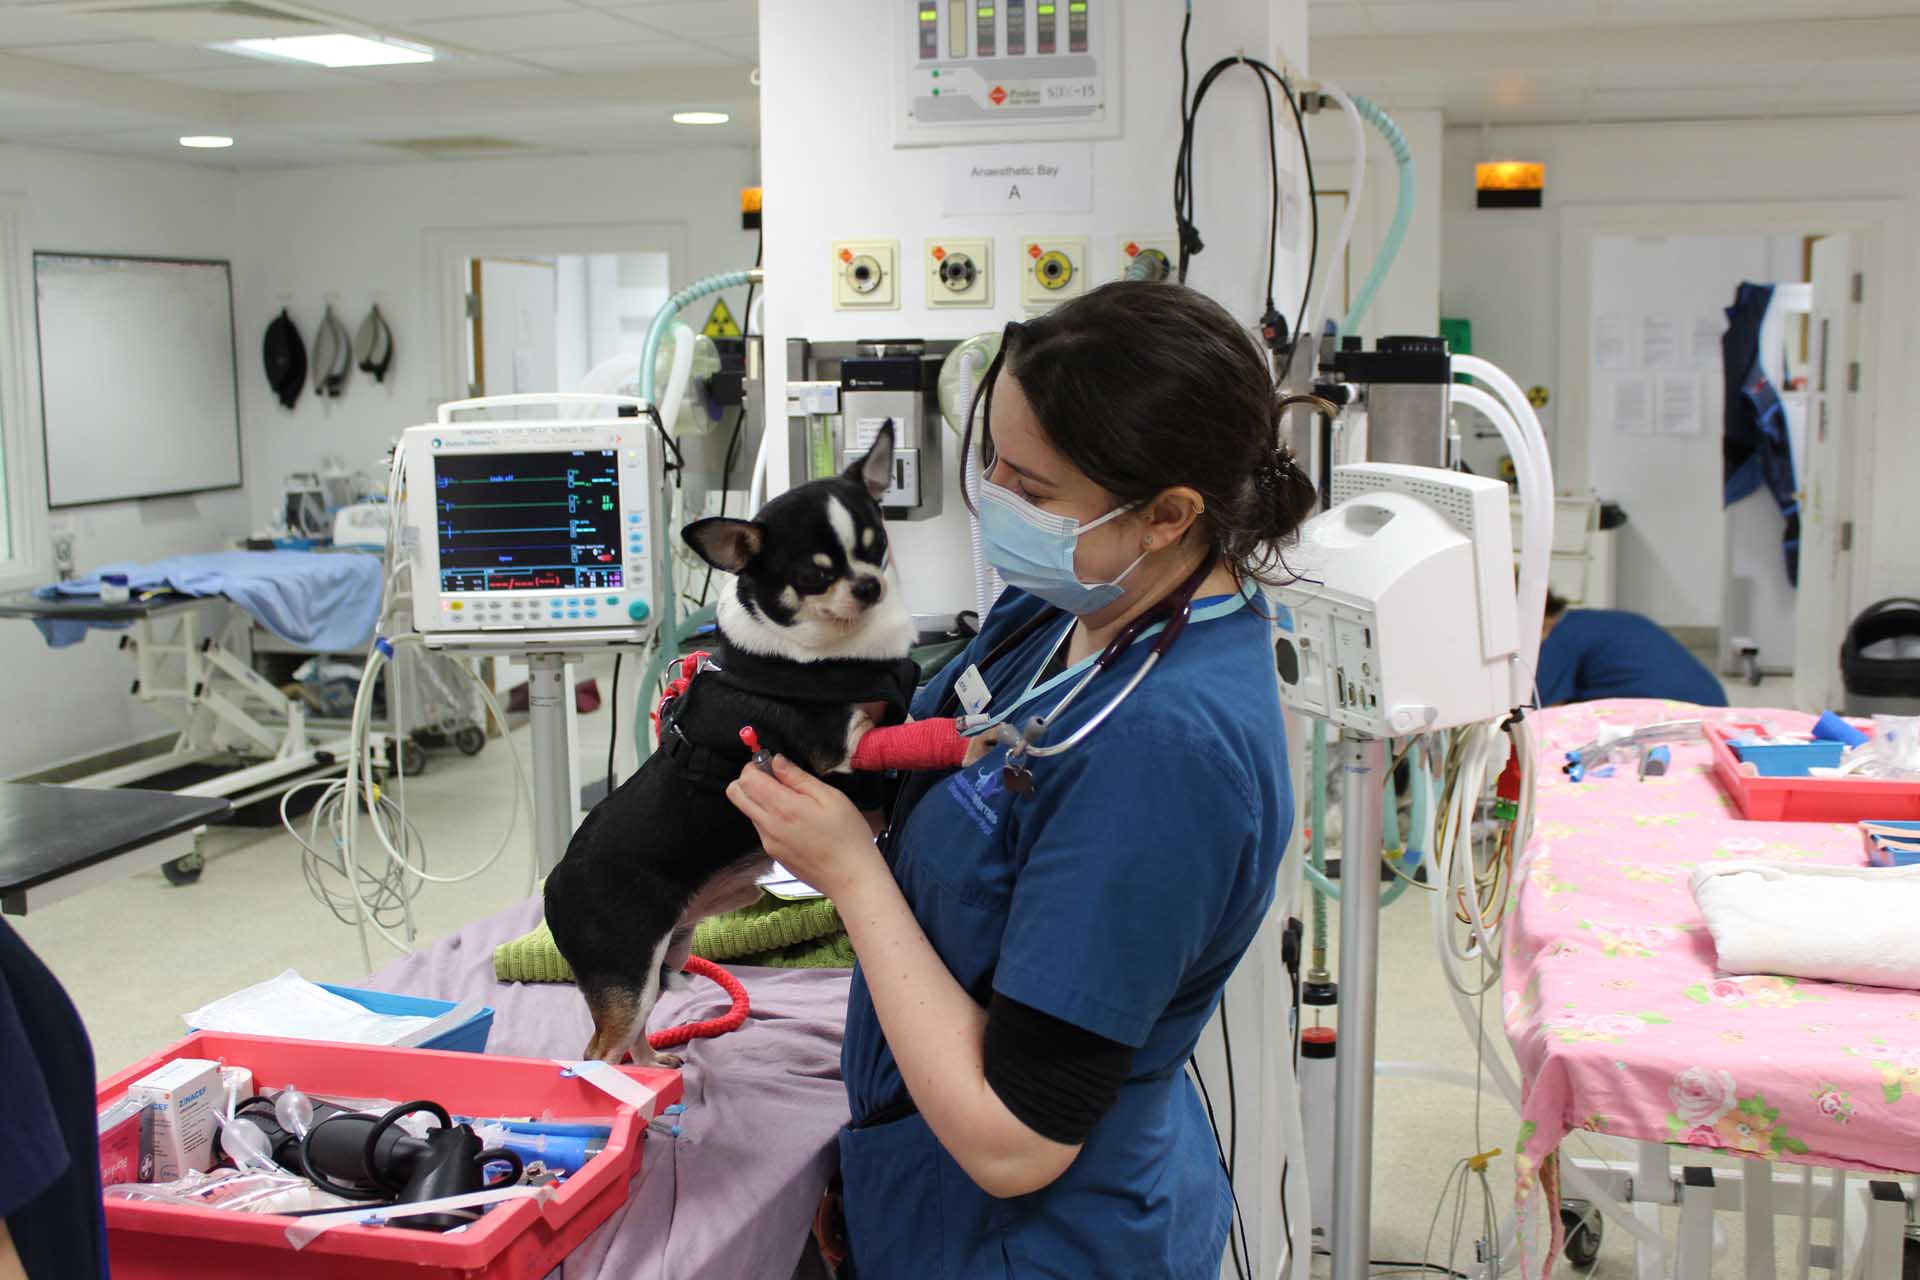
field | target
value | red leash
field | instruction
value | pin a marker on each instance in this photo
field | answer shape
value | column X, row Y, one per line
column 728, row 1021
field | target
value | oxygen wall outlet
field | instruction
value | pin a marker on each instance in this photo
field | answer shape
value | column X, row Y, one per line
column 959, row 272
column 1157, row 256
column 866, row 275
column 1052, row 269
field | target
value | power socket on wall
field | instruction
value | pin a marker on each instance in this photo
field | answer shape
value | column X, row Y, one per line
column 1052, row 269
column 959, row 272
column 866, row 275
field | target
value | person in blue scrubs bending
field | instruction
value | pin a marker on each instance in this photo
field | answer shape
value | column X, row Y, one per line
column 1587, row 654
column 1039, row 949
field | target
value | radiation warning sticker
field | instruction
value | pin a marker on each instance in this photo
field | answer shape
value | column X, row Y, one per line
column 1538, row 396
column 720, row 321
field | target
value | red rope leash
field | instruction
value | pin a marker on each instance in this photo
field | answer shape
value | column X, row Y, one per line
column 728, row 1021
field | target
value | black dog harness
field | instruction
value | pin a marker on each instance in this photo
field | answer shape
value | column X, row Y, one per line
column 699, row 729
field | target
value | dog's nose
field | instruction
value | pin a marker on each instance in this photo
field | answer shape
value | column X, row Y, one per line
column 867, row 590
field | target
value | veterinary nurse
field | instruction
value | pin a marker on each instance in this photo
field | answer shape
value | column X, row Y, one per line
column 1035, row 968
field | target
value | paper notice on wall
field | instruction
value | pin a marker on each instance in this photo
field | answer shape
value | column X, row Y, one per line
column 1610, row 344
column 1057, row 178
column 1633, row 404
column 1659, row 341
column 1708, row 328
column 1679, row 407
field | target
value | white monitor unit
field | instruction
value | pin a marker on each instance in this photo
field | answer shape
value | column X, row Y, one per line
column 1403, row 618
column 549, row 529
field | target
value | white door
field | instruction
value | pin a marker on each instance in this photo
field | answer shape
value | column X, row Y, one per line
column 1835, row 411
column 514, row 334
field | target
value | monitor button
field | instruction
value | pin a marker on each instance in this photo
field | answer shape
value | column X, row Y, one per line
column 638, row 610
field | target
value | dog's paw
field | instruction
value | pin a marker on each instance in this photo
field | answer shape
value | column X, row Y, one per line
column 665, row 1061
column 676, row 980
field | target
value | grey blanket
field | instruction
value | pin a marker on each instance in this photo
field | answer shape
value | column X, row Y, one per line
column 733, row 1197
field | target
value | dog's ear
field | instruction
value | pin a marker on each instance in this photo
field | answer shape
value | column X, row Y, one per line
column 876, row 469
column 728, row 545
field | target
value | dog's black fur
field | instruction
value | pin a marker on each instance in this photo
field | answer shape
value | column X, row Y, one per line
column 813, row 652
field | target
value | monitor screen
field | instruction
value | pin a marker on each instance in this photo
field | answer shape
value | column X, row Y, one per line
column 528, row 521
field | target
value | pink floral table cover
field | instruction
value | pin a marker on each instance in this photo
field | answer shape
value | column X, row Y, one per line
column 1615, row 1013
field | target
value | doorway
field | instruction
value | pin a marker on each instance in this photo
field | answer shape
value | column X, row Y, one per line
column 542, row 323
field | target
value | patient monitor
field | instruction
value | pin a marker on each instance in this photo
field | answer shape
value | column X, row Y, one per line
column 549, row 529
column 1403, row 616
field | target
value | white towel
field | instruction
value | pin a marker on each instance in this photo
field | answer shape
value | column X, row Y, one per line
column 1841, row 924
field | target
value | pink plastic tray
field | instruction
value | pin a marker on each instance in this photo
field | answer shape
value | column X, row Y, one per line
column 515, row 1240
column 1807, row 799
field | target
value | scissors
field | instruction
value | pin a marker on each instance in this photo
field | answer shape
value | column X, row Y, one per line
column 1174, row 610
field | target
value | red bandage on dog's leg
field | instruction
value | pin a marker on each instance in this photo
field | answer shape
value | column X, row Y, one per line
column 923, row 744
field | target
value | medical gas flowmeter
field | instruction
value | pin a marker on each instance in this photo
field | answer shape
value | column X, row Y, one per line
column 549, row 528
column 879, row 389
column 1402, row 619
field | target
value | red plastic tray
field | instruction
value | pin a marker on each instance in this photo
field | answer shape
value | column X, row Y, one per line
column 515, row 1240
column 1808, row 799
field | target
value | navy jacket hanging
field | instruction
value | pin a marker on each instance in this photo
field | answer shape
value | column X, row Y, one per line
column 1754, row 446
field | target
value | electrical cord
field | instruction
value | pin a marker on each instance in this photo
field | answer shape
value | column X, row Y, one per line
column 1206, row 1098
column 382, row 898
column 1233, row 1128
column 613, row 708
column 1272, row 323
column 726, row 477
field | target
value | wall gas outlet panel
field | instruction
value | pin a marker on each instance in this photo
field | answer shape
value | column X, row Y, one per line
column 866, row 275
column 1052, row 269
column 999, row 70
column 959, row 272
column 1158, row 256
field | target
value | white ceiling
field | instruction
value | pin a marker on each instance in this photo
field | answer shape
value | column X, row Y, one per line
column 594, row 76
column 1578, row 61
column 128, row 77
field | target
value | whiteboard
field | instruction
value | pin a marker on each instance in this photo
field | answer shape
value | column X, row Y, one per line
column 139, row 391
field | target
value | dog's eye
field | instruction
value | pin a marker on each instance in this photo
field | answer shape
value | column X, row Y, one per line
column 812, row 579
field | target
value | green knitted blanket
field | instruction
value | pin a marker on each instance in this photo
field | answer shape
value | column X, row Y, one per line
column 771, row 932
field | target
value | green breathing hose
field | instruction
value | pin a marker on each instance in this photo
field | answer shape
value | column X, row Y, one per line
column 663, row 320
column 1316, row 868
column 1315, row 871
column 667, row 644
column 1402, row 212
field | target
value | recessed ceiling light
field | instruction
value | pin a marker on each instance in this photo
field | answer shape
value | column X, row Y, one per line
column 207, row 140
column 335, row 50
column 701, row 117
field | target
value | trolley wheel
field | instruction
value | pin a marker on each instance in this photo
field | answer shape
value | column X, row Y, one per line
column 1583, row 1228
column 471, row 740
column 186, row 868
column 411, row 757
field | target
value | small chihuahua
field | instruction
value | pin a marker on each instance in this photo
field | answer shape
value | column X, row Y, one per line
column 813, row 653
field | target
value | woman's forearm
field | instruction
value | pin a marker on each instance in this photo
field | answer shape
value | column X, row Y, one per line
column 938, row 1037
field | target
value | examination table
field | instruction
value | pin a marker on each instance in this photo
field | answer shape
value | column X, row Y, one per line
column 734, row 1195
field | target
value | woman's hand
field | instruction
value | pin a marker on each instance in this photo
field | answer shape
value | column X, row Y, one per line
column 811, row 829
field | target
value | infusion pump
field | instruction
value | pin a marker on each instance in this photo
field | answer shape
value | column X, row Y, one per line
column 547, row 528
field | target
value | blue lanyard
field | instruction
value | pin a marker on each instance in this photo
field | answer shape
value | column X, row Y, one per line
column 1201, row 613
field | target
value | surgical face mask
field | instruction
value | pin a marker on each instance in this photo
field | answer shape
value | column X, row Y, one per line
column 1033, row 550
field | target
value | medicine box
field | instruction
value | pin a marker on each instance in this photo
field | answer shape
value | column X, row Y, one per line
column 183, row 1094
column 126, row 1143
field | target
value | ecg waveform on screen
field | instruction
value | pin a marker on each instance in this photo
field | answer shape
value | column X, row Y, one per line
column 528, row 521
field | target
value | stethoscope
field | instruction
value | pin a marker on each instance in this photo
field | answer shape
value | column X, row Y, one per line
column 1175, row 611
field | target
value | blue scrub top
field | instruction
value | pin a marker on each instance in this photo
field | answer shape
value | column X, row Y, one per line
column 1610, row 653
column 1118, row 896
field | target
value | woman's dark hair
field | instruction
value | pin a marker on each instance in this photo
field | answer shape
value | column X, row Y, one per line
column 1147, row 386
column 1556, row 605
